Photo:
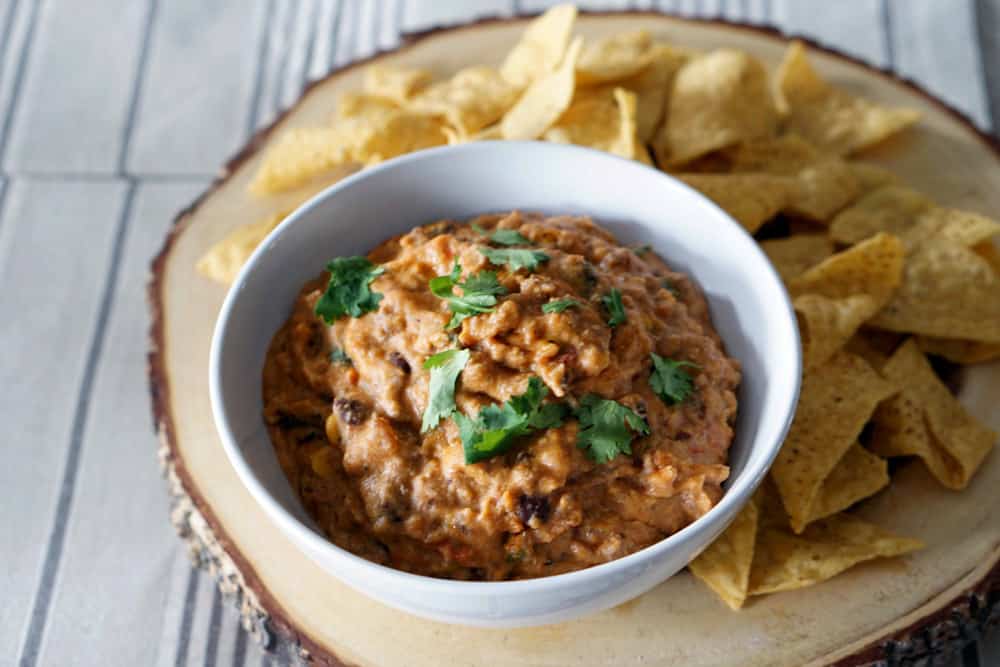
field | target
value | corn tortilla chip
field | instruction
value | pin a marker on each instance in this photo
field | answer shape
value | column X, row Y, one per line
column 827, row 324
column 990, row 252
column 948, row 291
column 787, row 154
column 793, row 255
column 784, row 562
column 614, row 57
column 717, row 100
column 871, row 176
column 874, row 267
column 725, row 565
column 858, row 475
column 925, row 420
column 752, row 199
column 542, row 46
column 223, row 261
column 298, row 156
column 963, row 227
column 873, row 346
column 959, row 351
column 398, row 84
column 652, row 87
column 371, row 108
column 832, row 119
column 835, row 402
column 474, row 98
column 544, row 101
column 601, row 118
column 823, row 189
column 891, row 209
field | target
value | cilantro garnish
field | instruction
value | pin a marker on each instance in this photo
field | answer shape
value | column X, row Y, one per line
column 502, row 236
column 613, row 304
column 338, row 356
column 515, row 258
column 669, row 379
column 348, row 293
column 607, row 428
column 479, row 293
column 445, row 367
column 496, row 427
column 559, row 305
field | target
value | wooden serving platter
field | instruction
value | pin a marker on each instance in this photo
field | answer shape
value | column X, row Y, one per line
column 888, row 612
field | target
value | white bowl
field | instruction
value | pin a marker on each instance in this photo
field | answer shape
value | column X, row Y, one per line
column 749, row 307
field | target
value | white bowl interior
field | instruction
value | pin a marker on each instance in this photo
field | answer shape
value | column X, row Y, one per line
column 748, row 303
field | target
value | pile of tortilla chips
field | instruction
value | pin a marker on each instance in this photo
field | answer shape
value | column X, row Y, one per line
column 880, row 275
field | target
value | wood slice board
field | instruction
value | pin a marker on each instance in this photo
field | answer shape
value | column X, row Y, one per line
column 890, row 611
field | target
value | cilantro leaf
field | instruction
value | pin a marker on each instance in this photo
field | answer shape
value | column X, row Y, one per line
column 445, row 367
column 479, row 293
column 607, row 428
column 669, row 379
column 613, row 304
column 338, row 356
column 559, row 305
column 347, row 293
column 496, row 427
column 515, row 258
column 502, row 236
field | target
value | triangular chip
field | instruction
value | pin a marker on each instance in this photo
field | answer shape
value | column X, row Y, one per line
column 891, row 209
column 725, row 565
column 793, row 255
column 652, row 86
column 832, row 119
column 787, row 154
column 948, row 291
column 827, row 324
column 925, row 420
column 822, row 189
column 601, row 118
column 963, row 227
column 871, row 176
column 784, row 562
column 542, row 46
column 223, row 261
column 873, row 346
column 752, row 199
column 299, row 156
column 718, row 100
column 544, row 101
column 958, row 350
column 614, row 58
column 398, row 84
column 835, row 402
column 474, row 98
column 858, row 475
column 874, row 267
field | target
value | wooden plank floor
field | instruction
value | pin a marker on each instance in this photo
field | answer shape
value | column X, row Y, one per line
column 114, row 117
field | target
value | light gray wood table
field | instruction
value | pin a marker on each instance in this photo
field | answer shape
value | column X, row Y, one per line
column 114, row 114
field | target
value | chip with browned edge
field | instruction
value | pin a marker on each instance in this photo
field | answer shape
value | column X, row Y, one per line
column 752, row 199
column 725, row 565
column 793, row 255
column 545, row 99
column 542, row 47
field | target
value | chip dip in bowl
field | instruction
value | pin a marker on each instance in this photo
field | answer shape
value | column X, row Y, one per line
column 515, row 421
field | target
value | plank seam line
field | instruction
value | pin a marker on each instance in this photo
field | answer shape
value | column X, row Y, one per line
column 338, row 14
column 890, row 49
column 264, row 45
column 214, row 627
column 22, row 65
column 7, row 29
column 991, row 83
column 184, row 637
column 310, row 44
column 138, row 78
column 57, row 536
column 277, row 103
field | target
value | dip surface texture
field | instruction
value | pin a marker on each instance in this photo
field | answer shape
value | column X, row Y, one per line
column 344, row 405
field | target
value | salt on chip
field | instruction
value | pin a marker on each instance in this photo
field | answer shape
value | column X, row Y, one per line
column 858, row 475
column 874, row 267
column 836, row 400
column 784, row 562
column 396, row 83
column 827, row 324
column 717, row 100
column 298, row 156
column 652, row 87
column 793, row 255
column 223, row 261
column 601, row 118
column 833, row 120
column 959, row 351
column 925, row 420
column 542, row 46
column 948, row 291
column 474, row 98
column 752, row 199
column 725, row 565
column 614, row 57
column 823, row 189
column 544, row 101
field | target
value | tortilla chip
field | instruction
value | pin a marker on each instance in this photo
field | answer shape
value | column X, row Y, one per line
column 542, row 47
column 725, row 565
column 398, row 84
column 544, row 101
column 891, row 209
column 652, row 86
column 948, row 291
column 752, row 199
column 491, row 133
column 835, row 402
column 474, row 98
column 823, row 189
column 874, row 267
column 963, row 227
column 859, row 475
column 960, row 351
column 874, row 346
column 990, row 252
column 223, row 261
column 925, row 420
column 827, row 324
column 793, row 255
column 787, row 154
column 371, row 108
column 614, row 58
column 832, row 119
column 784, row 562
column 871, row 177
column 717, row 100
column 601, row 118
column 298, row 156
